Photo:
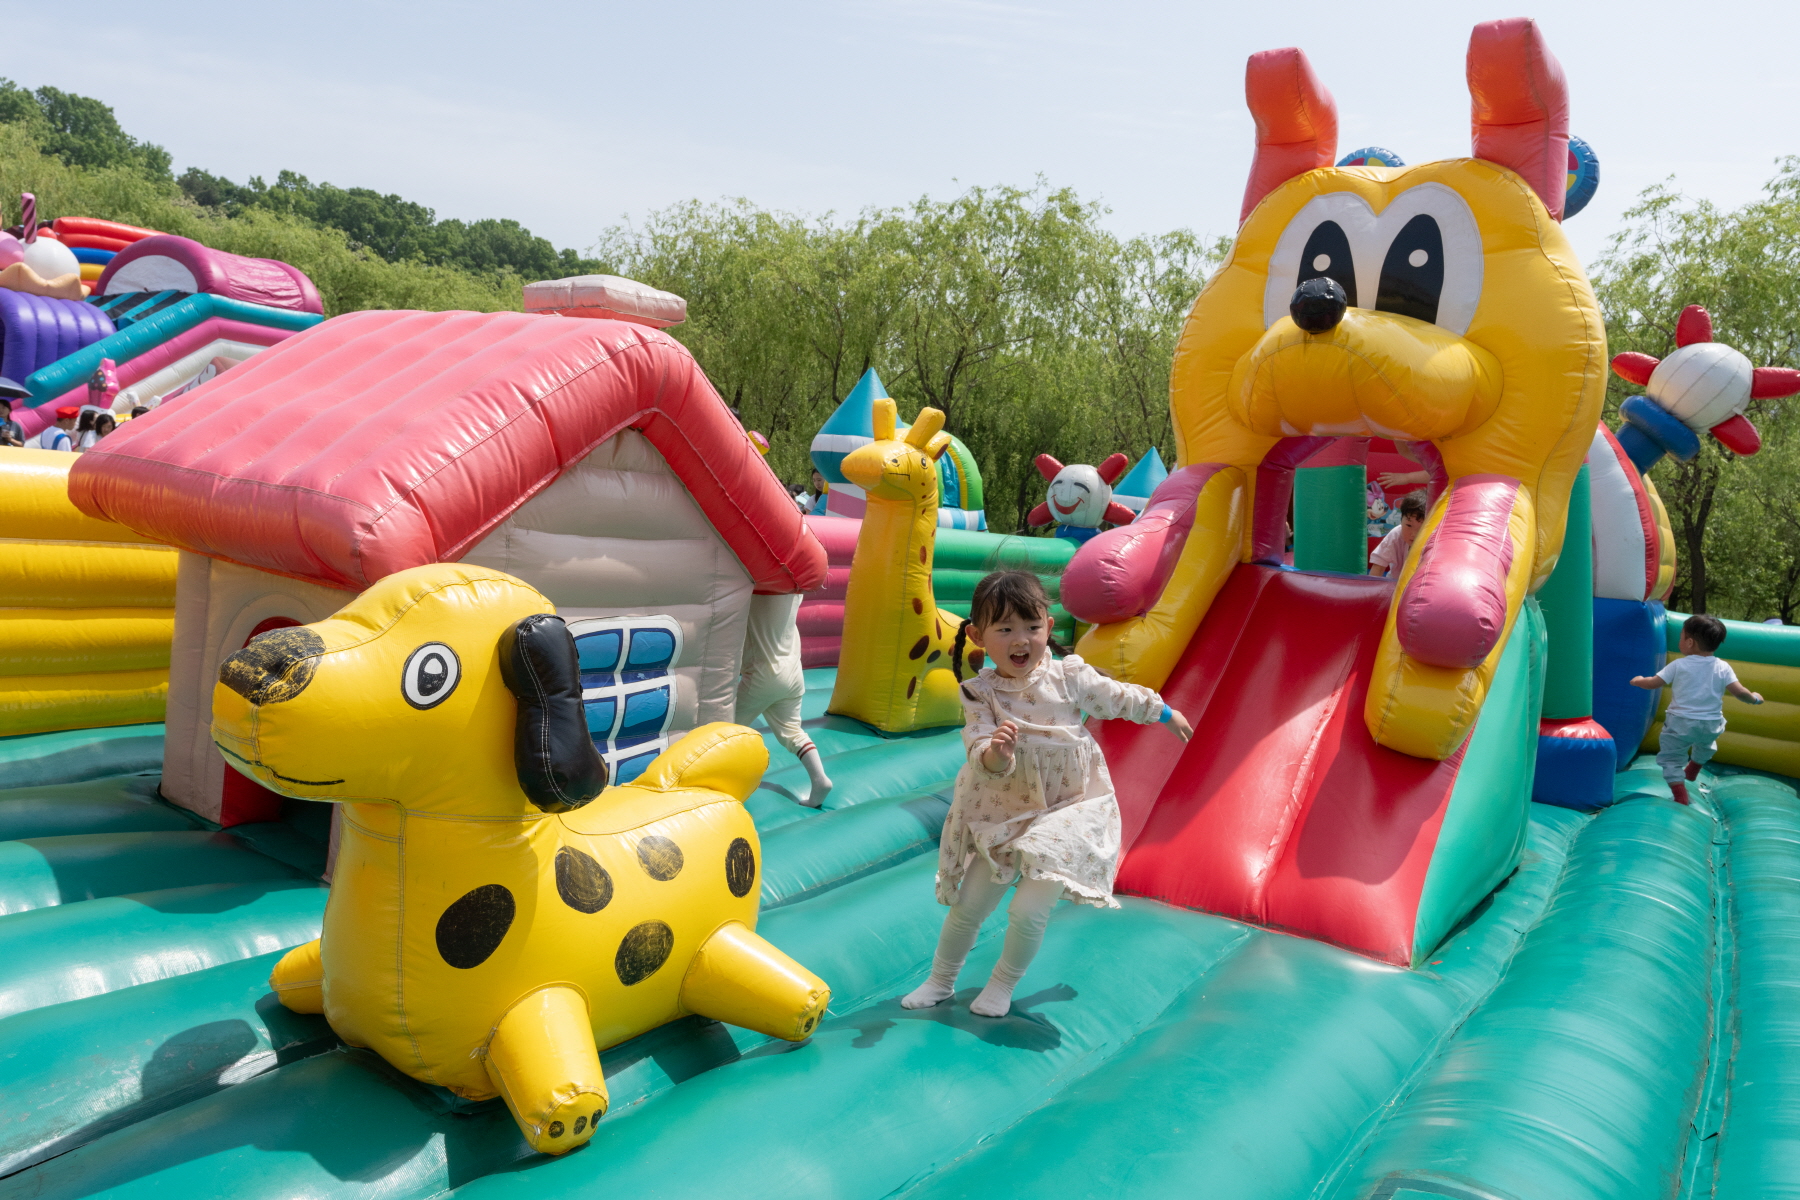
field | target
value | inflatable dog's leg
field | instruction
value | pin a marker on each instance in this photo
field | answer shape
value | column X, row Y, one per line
column 542, row 1060
column 298, row 979
column 740, row 979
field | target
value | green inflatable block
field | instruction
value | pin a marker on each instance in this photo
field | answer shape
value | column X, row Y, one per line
column 346, row 1126
column 1757, row 1154
column 1484, row 823
column 981, row 552
column 72, row 755
column 953, row 586
column 1261, row 1077
column 1567, row 601
column 117, row 804
column 58, row 954
column 803, row 859
column 44, row 872
column 1747, row 641
column 1331, row 519
column 1579, row 1076
column 917, row 1088
column 884, row 768
column 74, row 1072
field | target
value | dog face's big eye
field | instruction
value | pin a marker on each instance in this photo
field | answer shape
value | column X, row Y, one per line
column 1327, row 256
column 1412, row 275
column 1420, row 257
column 430, row 675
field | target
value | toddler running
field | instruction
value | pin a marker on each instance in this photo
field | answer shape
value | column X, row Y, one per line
column 1034, row 803
column 1696, row 716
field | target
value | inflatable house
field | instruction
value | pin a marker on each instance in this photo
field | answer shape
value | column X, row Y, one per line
column 590, row 458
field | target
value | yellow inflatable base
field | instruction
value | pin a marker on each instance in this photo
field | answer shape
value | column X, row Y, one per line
column 53, row 641
column 42, row 703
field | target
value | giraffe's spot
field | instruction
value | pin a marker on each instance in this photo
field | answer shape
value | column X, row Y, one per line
column 740, row 867
column 921, row 554
column 939, row 626
column 660, row 857
column 918, row 647
column 472, row 928
column 910, row 685
column 581, row 881
column 933, row 656
column 580, row 1124
column 918, row 605
column 556, row 1129
column 643, row 951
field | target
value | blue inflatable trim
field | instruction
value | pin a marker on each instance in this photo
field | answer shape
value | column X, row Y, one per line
column 1628, row 642
column 1584, row 177
column 1575, row 772
column 1661, row 426
column 99, row 258
column 1371, row 156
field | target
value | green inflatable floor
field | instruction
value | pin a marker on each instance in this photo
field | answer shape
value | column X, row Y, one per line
column 1621, row 1018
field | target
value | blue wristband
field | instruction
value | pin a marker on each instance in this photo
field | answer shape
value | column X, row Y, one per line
column 1168, row 714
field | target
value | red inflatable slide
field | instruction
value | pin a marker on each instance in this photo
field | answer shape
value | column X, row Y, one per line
column 1282, row 810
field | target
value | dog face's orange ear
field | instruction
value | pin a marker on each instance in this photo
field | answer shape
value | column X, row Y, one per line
column 1296, row 121
column 1520, row 106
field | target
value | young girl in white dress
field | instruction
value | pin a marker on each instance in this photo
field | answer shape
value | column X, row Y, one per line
column 1034, row 803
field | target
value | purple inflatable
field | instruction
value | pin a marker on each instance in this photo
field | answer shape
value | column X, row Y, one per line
column 166, row 263
column 35, row 331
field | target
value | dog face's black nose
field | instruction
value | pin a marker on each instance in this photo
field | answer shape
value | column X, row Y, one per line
column 1318, row 305
column 275, row 666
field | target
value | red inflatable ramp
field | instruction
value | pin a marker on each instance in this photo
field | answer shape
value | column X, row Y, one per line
column 1282, row 810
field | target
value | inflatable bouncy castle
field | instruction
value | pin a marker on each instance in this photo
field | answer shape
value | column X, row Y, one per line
column 449, row 876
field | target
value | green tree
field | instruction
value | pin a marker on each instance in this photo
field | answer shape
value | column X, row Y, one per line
column 80, row 130
column 1728, row 512
column 1013, row 310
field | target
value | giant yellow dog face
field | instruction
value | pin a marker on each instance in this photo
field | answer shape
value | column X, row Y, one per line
column 404, row 696
column 1469, row 324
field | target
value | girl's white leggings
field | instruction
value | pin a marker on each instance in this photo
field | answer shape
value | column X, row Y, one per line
column 1026, row 917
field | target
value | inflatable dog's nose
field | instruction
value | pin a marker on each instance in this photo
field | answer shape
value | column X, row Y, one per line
column 1318, row 305
column 275, row 666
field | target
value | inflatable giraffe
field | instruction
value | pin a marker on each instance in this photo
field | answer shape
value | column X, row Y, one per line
column 894, row 669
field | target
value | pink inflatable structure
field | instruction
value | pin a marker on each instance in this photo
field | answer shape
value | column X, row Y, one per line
column 166, row 263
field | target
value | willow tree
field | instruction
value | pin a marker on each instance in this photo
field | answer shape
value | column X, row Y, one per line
column 1736, row 519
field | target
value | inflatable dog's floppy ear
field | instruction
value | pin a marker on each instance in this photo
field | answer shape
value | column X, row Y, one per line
column 559, row 769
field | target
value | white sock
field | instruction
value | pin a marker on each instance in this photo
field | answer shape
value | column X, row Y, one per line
column 821, row 783
column 939, row 987
column 995, row 999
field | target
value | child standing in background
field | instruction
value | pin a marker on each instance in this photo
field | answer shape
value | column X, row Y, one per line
column 772, row 684
column 1034, row 803
column 1390, row 555
column 1696, row 716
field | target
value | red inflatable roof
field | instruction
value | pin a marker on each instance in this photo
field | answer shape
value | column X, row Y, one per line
column 379, row 441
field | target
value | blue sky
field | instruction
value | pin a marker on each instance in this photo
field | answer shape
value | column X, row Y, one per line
column 572, row 117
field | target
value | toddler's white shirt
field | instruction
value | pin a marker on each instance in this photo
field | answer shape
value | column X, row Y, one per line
column 1392, row 551
column 1697, row 684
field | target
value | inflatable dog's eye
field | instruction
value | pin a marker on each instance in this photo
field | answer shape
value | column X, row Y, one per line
column 1422, row 253
column 430, row 675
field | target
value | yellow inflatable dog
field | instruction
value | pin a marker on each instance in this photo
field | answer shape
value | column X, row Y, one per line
column 489, row 928
column 1438, row 304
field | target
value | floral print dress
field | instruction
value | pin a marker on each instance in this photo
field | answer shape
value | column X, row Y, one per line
column 1052, row 816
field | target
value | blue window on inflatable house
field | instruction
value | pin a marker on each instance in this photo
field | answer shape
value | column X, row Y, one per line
column 628, row 687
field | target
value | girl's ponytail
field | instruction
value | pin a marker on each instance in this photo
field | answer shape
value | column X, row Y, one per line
column 956, row 650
